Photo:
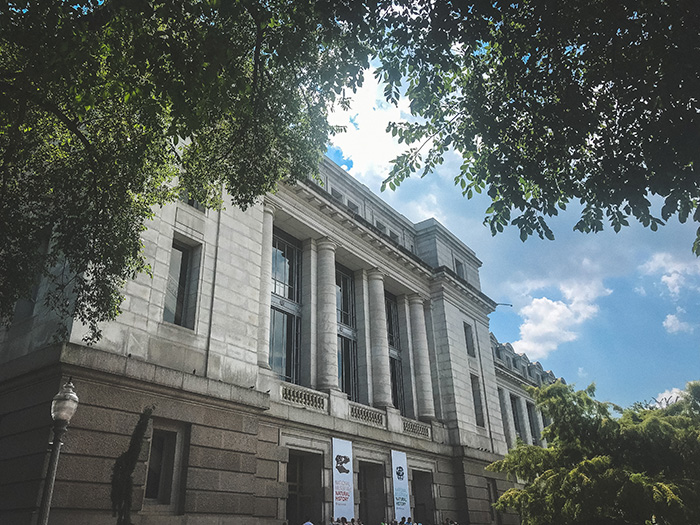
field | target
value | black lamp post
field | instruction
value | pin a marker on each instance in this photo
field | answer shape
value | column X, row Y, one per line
column 63, row 407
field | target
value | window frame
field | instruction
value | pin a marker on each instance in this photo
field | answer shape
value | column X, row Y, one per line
column 286, row 307
column 179, row 432
column 479, row 415
column 184, row 311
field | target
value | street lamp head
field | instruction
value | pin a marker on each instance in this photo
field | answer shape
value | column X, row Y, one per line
column 64, row 403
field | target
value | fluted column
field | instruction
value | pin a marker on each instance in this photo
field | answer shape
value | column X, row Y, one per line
column 381, row 373
column 421, row 359
column 327, row 328
column 507, row 417
column 526, row 433
column 265, row 288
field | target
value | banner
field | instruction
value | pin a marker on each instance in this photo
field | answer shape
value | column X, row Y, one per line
column 343, row 481
column 399, row 469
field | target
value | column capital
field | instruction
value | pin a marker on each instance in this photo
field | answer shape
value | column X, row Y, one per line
column 270, row 208
column 375, row 274
column 416, row 298
column 325, row 243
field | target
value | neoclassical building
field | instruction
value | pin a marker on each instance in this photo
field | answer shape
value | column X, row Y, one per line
column 317, row 355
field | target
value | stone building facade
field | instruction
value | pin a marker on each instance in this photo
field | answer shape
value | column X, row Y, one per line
column 266, row 341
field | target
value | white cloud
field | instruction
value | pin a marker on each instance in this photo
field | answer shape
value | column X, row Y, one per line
column 674, row 325
column 582, row 372
column 549, row 323
column 668, row 397
column 365, row 141
column 676, row 273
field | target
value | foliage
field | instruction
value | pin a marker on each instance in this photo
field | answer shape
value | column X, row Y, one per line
column 109, row 108
column 550, row 102
column 95, row 97
column 641, row 467
column 123, row 471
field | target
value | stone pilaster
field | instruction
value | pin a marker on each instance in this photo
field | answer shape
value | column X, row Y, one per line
column 381, row 374
column 421, row 359
column 327, row 328
column 265, row 288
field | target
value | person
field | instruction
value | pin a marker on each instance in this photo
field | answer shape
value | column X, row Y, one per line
column 308, row 521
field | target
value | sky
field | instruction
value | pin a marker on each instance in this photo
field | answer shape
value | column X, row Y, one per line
column 618, row 310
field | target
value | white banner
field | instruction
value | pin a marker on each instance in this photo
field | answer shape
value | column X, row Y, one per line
column 343, row 484
column 399, row 469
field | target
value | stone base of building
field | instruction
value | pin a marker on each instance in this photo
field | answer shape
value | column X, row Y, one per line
column 227, row 454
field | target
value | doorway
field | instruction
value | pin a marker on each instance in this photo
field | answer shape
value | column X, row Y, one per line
column 305, row 491
column 372, row 495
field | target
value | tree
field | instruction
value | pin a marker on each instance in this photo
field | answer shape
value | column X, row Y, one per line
column 641, row 467
column 110, row 108
column 95, row 98
column 550, row 102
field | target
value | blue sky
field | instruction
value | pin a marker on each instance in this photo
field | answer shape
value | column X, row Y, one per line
column 620, row 310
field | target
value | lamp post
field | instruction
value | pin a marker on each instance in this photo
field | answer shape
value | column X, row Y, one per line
column 63, row 407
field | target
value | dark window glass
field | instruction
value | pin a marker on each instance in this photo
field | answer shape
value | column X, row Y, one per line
column 285, row 314
column 347, row 367
column 397, row 393
column 478, row 407
column 392, row 322
column 181, row 290
column 161, row 465
column 459, row 269
column 284, row 344
column 345, row 297
column 469, row 338
column 286, row 268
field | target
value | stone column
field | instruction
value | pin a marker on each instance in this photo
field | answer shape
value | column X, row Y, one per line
column 507, row 417
column 421, row 359
column 526, row 433
column 327, row 328
column 540, row 422
column 381, row 373
column 265, row 288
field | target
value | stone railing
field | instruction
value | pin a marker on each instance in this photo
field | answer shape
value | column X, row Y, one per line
column 305, row 397
column 367, row 415
column 416, row 428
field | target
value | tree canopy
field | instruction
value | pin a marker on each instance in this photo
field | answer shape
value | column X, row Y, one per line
column 550, row 102
column 109, row 108
column 642, row 467
column 95, row 98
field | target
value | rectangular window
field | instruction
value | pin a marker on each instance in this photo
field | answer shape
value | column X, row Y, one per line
column 469, row 338
column 347, row 367
column 286, row 267
column 347, row 335
column 478, row 406
column 394, row 236
column 345, row 296
column 395, row 353
column 181, row 290
column 353, row 207
column 459, row 269
column 166, row 463
column 337, row 194
column 392, row 322
column 285, row 307
column 397, row 393
column 381, row 227
column 285, row 338
column 516, row 416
